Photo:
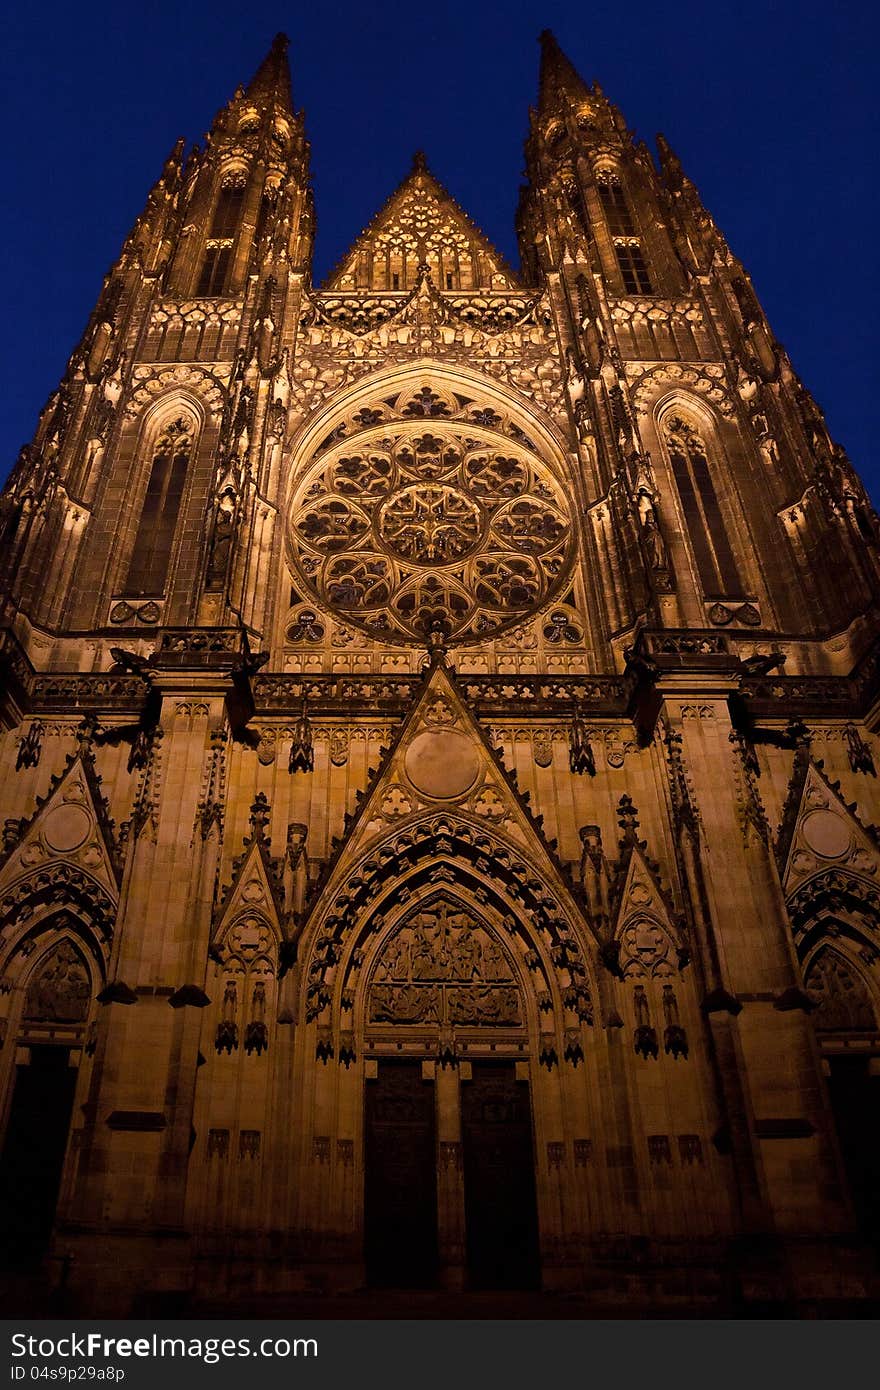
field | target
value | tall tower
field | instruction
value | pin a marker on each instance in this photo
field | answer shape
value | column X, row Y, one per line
column 438, row 723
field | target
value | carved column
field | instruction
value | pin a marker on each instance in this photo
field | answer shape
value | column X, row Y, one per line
column 450, row 1177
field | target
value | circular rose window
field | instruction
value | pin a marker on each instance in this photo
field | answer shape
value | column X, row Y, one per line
column 401, row 523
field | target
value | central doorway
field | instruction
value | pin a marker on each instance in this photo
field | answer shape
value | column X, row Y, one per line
column 501, row 1215
column 400, row 1196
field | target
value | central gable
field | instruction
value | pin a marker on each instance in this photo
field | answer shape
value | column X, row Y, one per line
column 421, row 224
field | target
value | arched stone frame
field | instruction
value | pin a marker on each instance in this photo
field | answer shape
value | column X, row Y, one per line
column 829, row 949
column 141, row 438
column 482, row 869
column 838, row 911
column 432, row 848
column 53, row 925
column 718, row 436
column 521, row 1041
column 551, row 448
column 235, row 166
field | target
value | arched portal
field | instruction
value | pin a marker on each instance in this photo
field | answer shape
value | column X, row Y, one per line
column 56, row 978
column 845, row 1018
column 450, row 1143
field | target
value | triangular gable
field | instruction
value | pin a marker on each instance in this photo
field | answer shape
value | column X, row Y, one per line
column 70, row 823
column 254, row 889
column 421, row 224
column 820, row 831
column 442, row 759
column 646, row 933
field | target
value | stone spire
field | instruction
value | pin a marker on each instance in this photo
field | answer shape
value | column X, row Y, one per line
column 271, row 82
column 558, row 75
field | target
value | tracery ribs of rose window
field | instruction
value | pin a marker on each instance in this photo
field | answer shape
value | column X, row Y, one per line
column 409, row 524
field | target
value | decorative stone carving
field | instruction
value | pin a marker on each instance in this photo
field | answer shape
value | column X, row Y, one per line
column 61, row 989
column 444, row 967
column 843, row 1003
column 398, row 527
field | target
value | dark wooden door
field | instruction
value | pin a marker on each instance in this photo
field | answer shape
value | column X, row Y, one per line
column 33, row 1153
column 855, row 1101
column 400, row 1198
column 499, row 1179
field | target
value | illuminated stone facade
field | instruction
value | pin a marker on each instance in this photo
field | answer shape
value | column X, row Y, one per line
column 439, row 754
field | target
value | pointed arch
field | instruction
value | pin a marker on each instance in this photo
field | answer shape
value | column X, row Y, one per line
column 168, row 441
column 56, row 969
column 691, row 446
column 432, row 857
column 226, row 216
column 840, row 990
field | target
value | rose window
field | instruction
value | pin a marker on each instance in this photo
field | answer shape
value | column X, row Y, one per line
column 404, row 523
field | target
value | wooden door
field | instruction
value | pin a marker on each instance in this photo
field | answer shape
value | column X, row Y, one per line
column 499, row 1178
column 33, row 1153
column 400, row 1198
column 855, row 1101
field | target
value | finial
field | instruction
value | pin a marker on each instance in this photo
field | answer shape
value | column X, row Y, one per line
column 259, row 815
column 419, row 162
column 437, row 645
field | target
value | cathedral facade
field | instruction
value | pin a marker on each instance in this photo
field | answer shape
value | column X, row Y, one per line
column 439, row 754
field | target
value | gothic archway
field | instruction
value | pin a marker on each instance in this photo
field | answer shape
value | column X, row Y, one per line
column 55, row 973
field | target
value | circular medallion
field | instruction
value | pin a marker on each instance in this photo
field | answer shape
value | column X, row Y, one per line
column 442, row 763
column 404, row 524
column 66, row 828
column 826, row 834
column 429, row 525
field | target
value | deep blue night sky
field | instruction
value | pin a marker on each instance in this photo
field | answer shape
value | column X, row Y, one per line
column 772, row 108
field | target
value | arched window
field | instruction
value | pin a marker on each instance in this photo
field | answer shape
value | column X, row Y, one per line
column 221, row 238
column 152, row 548
column 690, row 468
column 624, row 234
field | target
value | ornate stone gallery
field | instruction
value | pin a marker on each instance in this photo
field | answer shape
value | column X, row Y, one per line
column 428, row 510
column 439, row 764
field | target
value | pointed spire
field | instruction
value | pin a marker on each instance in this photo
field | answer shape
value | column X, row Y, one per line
column 558, row 74
column 271, row 81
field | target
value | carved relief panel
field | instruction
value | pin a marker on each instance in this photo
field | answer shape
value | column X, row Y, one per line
column 444, row 967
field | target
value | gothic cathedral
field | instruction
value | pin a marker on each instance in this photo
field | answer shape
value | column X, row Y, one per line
column 439, row 745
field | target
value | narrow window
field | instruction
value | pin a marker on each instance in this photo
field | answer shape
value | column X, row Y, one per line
column 148, row 568
column 615, row 206
column 624, row 234
column 215, row 268
column 690, row 468
column 633, row 270
column 224, row 227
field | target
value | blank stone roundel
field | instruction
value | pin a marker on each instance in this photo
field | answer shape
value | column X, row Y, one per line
column 826, row 834
column 66, row 828
column 442, row 763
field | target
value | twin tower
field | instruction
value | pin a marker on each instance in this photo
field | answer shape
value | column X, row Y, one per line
column 438, row 728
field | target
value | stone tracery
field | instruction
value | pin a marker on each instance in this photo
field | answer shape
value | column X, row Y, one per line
column 403, row 525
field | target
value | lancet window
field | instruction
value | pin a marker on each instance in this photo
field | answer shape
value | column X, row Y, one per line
column 221, row 238
column 624, row 234
column 148, row 567
column 705, row 525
